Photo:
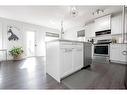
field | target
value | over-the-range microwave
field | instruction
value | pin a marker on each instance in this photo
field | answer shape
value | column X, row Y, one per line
column 104, row 32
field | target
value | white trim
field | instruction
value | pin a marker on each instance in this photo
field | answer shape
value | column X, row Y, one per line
column 119, row 62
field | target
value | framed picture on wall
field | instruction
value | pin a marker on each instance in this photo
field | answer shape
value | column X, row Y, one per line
column 13, row 32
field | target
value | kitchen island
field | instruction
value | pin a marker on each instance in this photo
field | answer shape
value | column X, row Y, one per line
column 63, row 57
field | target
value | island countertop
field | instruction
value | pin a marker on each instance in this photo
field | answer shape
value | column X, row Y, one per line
column 66, row 40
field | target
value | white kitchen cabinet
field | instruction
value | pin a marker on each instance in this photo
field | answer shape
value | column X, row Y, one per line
column 103, row 23
column 117, row 53
column 123, row 50
column 66, row 62
column 114, row 52
column 63, row 58
column 77, row 58
column 71, row 55
column 116, row 24
column 71, row 60
column 89, row 30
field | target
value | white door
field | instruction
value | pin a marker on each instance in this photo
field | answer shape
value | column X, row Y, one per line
column 114, row 52
column 30, row 43
column 77, row 58
column 66, row 62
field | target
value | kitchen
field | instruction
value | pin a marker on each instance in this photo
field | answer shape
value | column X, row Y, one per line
column 63, row 47
column 102, row 40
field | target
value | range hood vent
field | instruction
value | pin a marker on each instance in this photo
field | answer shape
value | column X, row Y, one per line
column 104, row 32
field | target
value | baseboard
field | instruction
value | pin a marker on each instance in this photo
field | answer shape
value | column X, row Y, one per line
column 24, row 58
column 119, row 62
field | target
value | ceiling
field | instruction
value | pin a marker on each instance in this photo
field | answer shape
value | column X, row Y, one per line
column 51, row 16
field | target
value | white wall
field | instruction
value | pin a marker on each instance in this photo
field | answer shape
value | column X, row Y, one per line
column 40, row 35
column 0, row 35
column 71, row 34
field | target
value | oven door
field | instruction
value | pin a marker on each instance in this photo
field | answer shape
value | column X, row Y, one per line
column 101, row 49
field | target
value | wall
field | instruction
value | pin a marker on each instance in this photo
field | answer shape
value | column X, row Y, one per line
column 0, row 35
column 71, row 34
column 40, row 36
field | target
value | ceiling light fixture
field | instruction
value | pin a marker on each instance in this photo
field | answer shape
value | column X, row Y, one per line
column 98, row 11
column 74, row 11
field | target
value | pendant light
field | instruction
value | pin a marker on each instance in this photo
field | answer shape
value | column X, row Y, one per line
column 62, row 31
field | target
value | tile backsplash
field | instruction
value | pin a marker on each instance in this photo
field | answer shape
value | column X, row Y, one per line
column 118, row 38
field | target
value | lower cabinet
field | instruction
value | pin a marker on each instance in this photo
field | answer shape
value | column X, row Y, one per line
column 77, row 58
column 63, row 58
column 71, row 60
column 118, row 53
column 66, row 62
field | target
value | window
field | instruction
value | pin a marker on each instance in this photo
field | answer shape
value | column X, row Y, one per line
column 81, row 33
column 51, row 36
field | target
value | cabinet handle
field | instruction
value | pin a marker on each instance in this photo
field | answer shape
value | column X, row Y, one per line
column 124, row 52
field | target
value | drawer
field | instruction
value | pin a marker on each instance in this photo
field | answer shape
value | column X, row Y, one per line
column 77, row 43
column 65, row 43
column 70, row 44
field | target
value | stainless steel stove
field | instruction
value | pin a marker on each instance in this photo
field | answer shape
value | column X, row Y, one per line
column 102, row 51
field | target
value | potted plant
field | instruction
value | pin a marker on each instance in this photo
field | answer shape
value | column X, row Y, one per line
column 16, row 52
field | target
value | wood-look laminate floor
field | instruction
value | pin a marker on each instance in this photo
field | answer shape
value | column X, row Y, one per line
column 31, row 74
column 98, row 76
column 27, row 74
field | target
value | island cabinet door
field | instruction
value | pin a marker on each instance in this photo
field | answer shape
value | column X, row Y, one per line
column 65, row 62
column 77, row 58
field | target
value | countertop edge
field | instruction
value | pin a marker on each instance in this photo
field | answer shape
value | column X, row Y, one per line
column 63, row 40
column 118, row 43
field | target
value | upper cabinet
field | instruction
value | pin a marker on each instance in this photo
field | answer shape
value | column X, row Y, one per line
column 113, row 22
column 116, row 24
column 103, row 23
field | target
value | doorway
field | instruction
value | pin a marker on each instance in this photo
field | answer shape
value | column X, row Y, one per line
column 30, row 43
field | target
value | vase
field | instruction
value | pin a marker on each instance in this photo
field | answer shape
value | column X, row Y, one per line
column 17, row 57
